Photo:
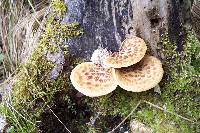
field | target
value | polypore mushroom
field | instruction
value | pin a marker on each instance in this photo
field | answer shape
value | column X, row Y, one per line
column 93, row 80
column 142, row 76
column 132, row 50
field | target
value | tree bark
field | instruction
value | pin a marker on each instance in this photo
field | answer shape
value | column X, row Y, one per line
column 107, row 23
column 196, row 18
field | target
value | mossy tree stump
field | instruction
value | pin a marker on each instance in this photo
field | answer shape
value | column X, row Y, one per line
column 164, row 25
column 107, row 23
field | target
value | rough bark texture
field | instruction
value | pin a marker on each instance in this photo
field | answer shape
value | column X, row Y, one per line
column 108, row 22
column 196, row 18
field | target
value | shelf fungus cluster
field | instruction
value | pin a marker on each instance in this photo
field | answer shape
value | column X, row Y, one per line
column 129, row 68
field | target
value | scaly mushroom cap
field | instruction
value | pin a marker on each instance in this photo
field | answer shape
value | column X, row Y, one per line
column 142, row 76
column 132, row 51
column 93, row 80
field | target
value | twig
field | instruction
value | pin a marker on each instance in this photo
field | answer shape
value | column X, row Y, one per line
column 59, row 120
column 35, row 13
column 126, row 117
column 153, row 105
column 156, row 106
column 18, row 113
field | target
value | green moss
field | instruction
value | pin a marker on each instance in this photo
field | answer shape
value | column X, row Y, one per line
column 180, row 67
column 89, row 129
column 182, row 88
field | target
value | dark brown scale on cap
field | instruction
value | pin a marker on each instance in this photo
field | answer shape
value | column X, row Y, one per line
column 96, row 78
column 89, row 77
column 86, row 73
column 101, row 80
column 89, row 83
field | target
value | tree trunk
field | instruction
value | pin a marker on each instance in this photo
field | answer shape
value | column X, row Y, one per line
column 196, row 18
column 108, row 22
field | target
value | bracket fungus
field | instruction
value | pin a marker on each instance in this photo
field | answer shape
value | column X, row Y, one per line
column 142, row 76
column 129, row 68
column 132, row 50
column 93, row 80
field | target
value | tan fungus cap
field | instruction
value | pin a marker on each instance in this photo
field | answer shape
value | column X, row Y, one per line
column 142, row 76
column 132, row 51
column 93, row 80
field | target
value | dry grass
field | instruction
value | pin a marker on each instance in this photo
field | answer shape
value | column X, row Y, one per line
column 19, row 31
